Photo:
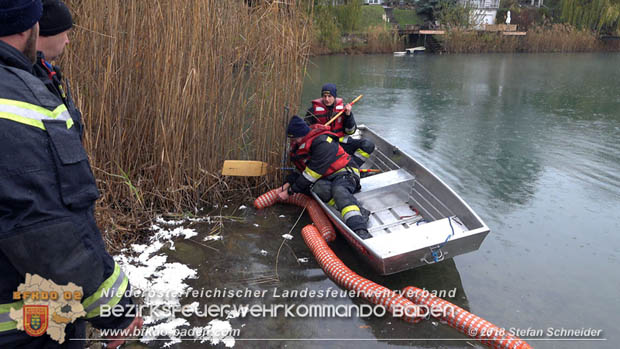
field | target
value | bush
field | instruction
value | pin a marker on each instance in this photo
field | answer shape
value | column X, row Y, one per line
column 407, row 17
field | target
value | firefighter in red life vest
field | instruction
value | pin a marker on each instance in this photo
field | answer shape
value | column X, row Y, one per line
column 326, row 107
column 324, row 164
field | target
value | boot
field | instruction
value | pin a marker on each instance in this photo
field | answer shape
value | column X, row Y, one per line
column 359, row 162
column 365, row 214
column 363, row 233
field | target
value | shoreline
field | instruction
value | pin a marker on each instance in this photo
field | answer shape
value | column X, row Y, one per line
column 554, row 39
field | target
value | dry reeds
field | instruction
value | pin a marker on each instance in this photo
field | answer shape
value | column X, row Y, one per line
column 555, row 38
column 382, row 39
column 561, row 38
column 169, row 89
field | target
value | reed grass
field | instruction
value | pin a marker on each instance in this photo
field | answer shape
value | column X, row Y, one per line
column 382, row 39
column 539, row 39
column 170, row 89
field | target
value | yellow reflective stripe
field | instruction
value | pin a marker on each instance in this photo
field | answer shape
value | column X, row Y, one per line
column 105, row 285
column 363, row 153
column 31, row 114
column 355, row 169
column 118, row 294
column 349, row 209
column 59, row 111
column 98, row 298
column 311, row 175
column 329, row 139
column 331, row 202
column 36, row 109
column 22, row 120
column 7, row 326
column 6, row 308
column 6, row 323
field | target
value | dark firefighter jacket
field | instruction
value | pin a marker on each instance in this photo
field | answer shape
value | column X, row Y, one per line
column 52, row 77
column 324, row 158
column 47, row 195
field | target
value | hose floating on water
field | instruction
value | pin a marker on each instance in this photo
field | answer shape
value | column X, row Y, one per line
column 345, row 277
column 317, row 215
column 410, row 303
column 464, row 321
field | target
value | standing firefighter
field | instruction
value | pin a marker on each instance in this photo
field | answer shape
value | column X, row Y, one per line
column 326, row 107
column 47, row 195
column 54, row 27
column 322, row 162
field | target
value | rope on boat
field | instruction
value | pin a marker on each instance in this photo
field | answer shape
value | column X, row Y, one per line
column 434, row 251
column 409, row 302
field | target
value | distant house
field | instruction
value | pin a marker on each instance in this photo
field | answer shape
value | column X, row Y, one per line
column 484, row 11
column 373, row 2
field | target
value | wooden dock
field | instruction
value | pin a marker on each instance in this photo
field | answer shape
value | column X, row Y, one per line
column 504, row 29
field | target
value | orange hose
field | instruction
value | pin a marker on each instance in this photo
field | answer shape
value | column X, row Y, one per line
column 346, row 278
column 465, row 322
column 267, row 199
column 316, row 213
column 409, row 303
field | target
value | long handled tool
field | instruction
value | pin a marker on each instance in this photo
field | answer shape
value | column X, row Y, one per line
column 253, row 168
column 337, row 115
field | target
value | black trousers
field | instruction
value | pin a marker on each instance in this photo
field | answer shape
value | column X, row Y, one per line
column 360, row 149
column 338, row 190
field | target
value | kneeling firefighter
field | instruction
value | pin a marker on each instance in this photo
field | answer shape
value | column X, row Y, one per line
column 324, row 164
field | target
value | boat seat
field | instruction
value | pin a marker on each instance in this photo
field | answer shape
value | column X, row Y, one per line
column 385, row 178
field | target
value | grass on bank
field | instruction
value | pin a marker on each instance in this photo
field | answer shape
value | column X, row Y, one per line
column 555, row 38
column 171, row 89
column 372, row 16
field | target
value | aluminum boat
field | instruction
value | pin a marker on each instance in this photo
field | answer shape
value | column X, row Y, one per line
column 415, row 218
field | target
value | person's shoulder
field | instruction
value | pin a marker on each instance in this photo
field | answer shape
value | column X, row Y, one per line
column 324, row 138
column 24, row 86
column 11, row 84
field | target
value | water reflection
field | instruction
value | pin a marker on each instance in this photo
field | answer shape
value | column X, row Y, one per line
column 481, row 114
column 531, row 143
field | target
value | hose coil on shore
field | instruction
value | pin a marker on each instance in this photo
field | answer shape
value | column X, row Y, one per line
column 411, row 298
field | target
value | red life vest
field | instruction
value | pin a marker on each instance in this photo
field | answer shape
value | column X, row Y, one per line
column 300, row 152
column 323, row 115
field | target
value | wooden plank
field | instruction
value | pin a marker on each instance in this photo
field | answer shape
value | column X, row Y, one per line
column 244, row 168
column 432, row 32
column 514, row 33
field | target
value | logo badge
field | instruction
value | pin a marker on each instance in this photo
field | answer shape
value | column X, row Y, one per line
column 35, row 319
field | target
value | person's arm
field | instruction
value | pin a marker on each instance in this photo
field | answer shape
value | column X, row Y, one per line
column 349, row 124
column 310, row 118
column 322, row 154
column 47, row 226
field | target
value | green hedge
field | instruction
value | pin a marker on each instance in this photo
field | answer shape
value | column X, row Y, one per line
column 404, row 17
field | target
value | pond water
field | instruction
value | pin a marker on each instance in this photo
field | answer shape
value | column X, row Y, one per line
column 530, row 142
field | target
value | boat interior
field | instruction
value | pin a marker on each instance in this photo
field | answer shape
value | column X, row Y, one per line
column 402, row 208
